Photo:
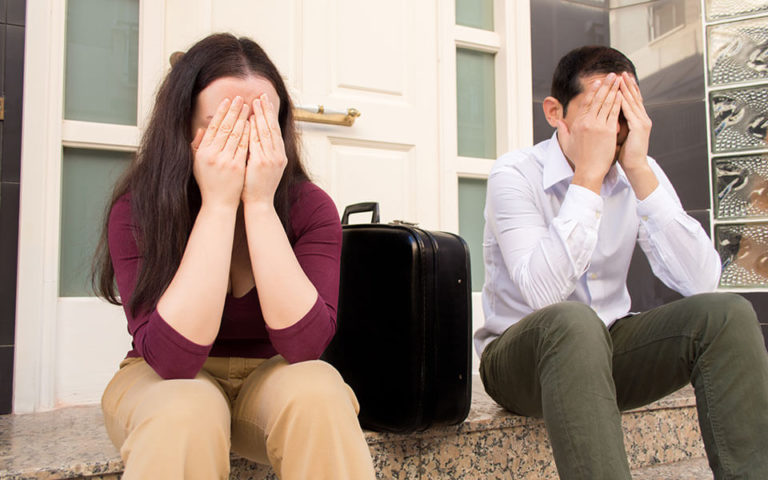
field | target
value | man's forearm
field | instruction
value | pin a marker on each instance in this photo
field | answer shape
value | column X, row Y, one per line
column 642, row 179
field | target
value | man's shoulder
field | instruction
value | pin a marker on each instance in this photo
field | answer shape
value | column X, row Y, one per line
column 527, row 162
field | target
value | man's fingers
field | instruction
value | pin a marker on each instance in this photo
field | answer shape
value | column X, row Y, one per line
column 633, row 87
column 611, row 99
column 602, row 93
column 613, row 116
column 591, row 92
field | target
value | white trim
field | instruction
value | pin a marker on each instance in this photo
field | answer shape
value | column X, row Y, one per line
column 34, row 375
column 99, row 135
column 476, row 39
column 516, row 100
column 44, row 133
column 473, row 167
column 152, row 62
column 447, row 116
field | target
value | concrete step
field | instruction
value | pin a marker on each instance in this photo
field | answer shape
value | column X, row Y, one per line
column 71, row 443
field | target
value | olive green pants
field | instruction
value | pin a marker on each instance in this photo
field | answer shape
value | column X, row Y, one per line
column 563, row 364
column 301, row 418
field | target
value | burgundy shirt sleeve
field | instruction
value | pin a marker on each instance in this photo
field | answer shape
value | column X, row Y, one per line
column 168, row 352
column 317, row 231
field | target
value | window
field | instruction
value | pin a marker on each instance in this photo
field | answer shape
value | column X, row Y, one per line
column 99, row 126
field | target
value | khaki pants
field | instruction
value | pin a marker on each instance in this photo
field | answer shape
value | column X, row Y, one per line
column 300, row 418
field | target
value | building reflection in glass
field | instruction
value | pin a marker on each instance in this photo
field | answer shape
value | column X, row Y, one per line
column 741, row 186
column 744, row 253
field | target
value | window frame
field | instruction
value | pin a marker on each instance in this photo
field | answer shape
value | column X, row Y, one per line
column 41, row 315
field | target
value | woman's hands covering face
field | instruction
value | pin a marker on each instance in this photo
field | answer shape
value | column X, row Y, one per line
column 240, row 157
column 220, row 153
column 266, row 154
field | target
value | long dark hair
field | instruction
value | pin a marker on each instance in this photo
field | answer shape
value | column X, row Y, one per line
column 165, row 198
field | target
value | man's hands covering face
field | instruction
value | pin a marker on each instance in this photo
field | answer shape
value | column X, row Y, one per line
column 634, row 151
column 239, row 158
column 590, row 142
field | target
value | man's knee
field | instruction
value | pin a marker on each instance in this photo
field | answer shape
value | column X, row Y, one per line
column 724, row 309
column 727, row 318
column 573, row 322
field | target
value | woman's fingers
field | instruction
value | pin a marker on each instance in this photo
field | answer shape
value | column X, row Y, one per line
column 228, row 123
column 234, row 139
column 213, row 125
column 272, row 121
column 262, row 128
column 254, row 144
column 241, row 154
column 198, row 138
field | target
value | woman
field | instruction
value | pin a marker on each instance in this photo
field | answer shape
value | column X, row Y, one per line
column 226, row 260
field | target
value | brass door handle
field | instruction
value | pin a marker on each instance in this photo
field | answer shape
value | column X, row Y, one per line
column 320, row 114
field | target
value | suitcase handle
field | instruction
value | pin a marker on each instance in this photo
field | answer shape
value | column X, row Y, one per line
column 372, row 207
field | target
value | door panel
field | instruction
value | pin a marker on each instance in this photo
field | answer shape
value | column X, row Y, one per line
column 378, row 57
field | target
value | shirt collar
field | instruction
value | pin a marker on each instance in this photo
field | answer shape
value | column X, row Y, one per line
column 557, row 169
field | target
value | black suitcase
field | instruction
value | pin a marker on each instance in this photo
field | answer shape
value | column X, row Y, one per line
column 404, row 324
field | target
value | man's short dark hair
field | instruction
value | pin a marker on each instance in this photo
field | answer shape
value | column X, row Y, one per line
column 584, row 61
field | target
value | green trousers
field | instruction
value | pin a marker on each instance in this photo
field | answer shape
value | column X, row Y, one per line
column 563, row 364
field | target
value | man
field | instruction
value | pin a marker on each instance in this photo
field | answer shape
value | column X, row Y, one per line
column 562, row 219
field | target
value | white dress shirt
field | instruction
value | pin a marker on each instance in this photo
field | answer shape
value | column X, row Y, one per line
column 547, row 241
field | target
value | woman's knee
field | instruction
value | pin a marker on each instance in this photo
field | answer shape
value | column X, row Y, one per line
column 185, row 408
column 315, row 385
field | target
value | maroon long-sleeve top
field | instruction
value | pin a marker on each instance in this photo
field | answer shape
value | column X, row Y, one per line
column 243, row 332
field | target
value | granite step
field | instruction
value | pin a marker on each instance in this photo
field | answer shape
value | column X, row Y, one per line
column 693, row 469
column 70, row 443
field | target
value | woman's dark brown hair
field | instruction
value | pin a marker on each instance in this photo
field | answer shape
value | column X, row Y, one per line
column 165, row 198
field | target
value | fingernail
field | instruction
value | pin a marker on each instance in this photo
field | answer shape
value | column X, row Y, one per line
column 611, row 76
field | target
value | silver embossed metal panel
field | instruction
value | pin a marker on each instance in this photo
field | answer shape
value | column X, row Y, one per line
column 741, row 186
column 738, row 52
column 744, row 253
column 739, row 119
column 719, row 9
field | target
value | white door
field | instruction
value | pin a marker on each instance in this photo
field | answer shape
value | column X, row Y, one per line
column 377, row 56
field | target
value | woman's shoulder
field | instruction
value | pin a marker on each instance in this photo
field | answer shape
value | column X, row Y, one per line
column 312, row 206
column 121, row 210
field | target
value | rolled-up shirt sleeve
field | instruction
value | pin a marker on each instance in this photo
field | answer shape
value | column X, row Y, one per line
column 168, row 352
column 317, row 246
column 545, row 260
column 679, row 251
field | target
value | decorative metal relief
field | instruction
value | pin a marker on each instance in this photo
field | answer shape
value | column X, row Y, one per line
column 744, row 253
column 741, row 186
column 719, row 9
column 739, row 119
column 738, row 52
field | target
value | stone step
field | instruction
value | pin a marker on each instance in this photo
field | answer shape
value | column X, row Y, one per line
column 71, row 443
column 693, row 469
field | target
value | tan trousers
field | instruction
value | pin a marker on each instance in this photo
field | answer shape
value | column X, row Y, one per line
column 300, row 418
